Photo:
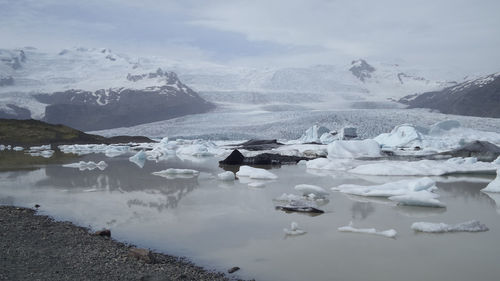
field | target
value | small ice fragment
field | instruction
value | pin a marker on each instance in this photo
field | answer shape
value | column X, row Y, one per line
column 494, row 185
column 255, row 173
column 469, row 226
column 257, row 184
column 390, row 233
column 226, row 176
column 139, row 158
column 294, row 230
column 421, row 198
column 308, row 189
column 173, row 171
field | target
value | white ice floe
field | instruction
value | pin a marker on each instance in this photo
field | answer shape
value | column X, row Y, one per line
column 18, row 148
column 390, row 233
column 405, row 135
column 91, row 165
column 415, row 192
column 422, row 198
column 494, row 185
column 425, row 167
column 255, row 173
column 302, row 163
column 353, row 149
column 330, row 164
column 171, row 172
column 294, row 230
column 469, row 226
column 401, row 187
column 226, row 176
column 301, row 150
column 83, row 149
column 139, row 158
column 308, row 190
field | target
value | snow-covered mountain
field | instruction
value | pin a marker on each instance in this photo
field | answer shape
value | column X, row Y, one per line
column 90, row 89
column 475, row 97
column 68, row 85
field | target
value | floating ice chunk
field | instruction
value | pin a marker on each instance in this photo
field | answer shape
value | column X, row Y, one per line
column 424, row 168
column 46, row 153
column 226, row 176
column 353, row 149
column 401, row 136
column 329, row 164
column 18, row 148
column 327, row 138
column 390, row 233
column 91, row 165
column 313, row 134
column 139, row 158
column 494, row 185
column 460, row 160
column 308, row 189
column 255, row 173
column 2, row 147
column 401, row 187
column 469, row 226
column 172, row 171
column 294, row 230
column 421, row 198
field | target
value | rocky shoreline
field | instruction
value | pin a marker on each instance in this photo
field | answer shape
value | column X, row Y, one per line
column 35, row 247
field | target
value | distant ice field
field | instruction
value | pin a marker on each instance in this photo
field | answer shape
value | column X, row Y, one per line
column 249, row 122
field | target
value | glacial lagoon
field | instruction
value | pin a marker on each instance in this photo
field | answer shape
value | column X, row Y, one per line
column 220, row 224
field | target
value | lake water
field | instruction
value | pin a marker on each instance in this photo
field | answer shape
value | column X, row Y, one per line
column 220, row 225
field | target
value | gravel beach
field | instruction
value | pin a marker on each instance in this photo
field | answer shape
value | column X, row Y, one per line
column 34, row 247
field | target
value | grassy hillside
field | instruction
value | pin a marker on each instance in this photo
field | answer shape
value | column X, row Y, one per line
column 34, row 132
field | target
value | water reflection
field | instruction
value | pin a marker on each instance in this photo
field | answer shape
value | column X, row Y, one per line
column 362, row 210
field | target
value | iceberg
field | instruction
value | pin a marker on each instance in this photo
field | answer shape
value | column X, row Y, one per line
column 396, row 188
column 424, row 168
column 494, row 185
column 353, row 149
column 421, row 198
column 114, row 151
column 390, row 233
column 255, row 173
column 416, row 192
column 82, row 165
column 294, row 230
column 226, row 176
column 308, row 190
column 139, row 158
column 405, row 135
column 313, row 134
column 18, row 148
column 330, row 164
column 469, row 226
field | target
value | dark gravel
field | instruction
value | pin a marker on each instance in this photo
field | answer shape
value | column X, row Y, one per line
column 34, row 247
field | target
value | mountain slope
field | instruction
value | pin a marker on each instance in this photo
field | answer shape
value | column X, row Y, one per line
column 90, row 89
column 479, row 97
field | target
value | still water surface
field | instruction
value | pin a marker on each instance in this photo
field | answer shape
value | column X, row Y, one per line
column 220, row 225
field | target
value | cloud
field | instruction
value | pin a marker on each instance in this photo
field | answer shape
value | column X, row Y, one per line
column 445, row 33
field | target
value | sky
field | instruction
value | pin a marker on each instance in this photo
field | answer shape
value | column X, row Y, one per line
column 449, row 34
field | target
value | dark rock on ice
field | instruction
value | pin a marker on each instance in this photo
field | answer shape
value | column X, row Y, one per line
column 235, row 158
column 257, row 145
column 104, row 233
column 233, row 269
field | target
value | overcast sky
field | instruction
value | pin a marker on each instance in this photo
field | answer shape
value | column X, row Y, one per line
column 460, row 34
